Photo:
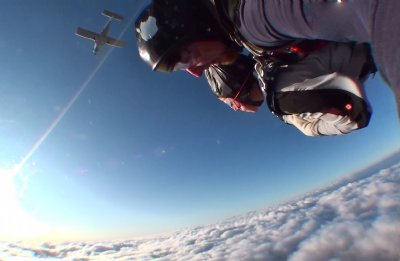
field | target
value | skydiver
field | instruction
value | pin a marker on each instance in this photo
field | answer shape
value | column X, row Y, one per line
column 322, row 109
column 197, row 34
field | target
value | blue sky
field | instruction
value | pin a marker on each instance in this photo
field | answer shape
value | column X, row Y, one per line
column 139, row 152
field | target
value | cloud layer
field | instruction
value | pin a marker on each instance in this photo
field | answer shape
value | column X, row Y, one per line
column 357, row 221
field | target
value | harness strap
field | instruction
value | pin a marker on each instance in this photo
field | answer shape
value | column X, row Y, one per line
column 266, row 69
column 243, row 84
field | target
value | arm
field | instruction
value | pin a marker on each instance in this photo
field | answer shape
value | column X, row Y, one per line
column 322, row 94
column 319, row 124
column 327, row 105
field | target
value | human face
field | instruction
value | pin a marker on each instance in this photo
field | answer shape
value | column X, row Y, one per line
column 198, row 56
column 239, row 106
column 255, row 95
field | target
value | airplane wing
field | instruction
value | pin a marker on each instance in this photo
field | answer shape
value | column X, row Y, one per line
column 112, row 15
column 114, row 42
column 86, row 34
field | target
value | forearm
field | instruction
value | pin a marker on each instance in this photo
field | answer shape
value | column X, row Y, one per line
column 327, row 105
column 319, row 124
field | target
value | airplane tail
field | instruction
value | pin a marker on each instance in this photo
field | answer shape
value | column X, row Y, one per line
column 112, row 15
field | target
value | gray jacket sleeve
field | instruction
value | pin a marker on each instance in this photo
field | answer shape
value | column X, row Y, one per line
column 322, row 94
column 328, row 122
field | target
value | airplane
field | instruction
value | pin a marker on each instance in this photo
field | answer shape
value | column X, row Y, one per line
column 102, row 38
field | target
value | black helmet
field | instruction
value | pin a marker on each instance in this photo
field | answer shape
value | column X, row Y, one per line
column 166, row 25
column 234, row 80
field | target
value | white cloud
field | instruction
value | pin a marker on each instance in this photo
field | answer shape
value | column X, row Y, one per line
column 357, row 221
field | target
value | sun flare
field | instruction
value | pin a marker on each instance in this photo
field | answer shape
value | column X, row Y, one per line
column 15, row 222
